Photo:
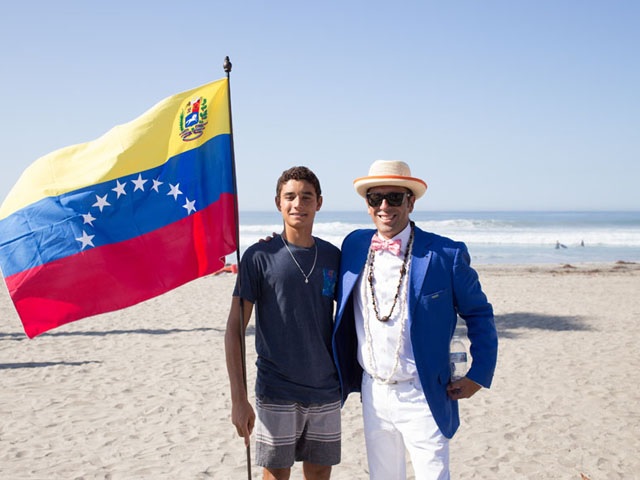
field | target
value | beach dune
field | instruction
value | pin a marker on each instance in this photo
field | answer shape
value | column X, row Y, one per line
column 143, row 393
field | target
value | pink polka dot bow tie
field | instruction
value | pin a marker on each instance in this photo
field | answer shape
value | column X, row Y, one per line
column 392, row 246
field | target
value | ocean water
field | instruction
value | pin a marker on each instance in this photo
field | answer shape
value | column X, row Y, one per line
column 492, row 237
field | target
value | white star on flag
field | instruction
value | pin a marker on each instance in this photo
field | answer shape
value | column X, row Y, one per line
column 190, row 206
column 85, row 240
column 156, row 184
column 101, row 202
column 119, row 189
column 139, row 183
column 88, row 218
column 175, row 191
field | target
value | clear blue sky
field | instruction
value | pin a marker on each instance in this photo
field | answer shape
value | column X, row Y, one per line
column 496, row 104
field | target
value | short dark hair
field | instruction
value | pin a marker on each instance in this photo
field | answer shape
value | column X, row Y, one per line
column 298, row 173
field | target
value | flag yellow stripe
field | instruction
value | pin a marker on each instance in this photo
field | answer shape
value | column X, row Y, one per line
column 144, row 143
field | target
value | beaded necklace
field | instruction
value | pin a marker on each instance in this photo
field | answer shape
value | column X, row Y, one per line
column 403, row 271
column 402, row 315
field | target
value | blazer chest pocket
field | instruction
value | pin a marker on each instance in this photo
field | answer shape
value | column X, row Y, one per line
column 436, row 296
column 436, row 301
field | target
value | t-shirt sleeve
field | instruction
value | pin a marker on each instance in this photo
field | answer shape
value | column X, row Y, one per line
column 247, row 281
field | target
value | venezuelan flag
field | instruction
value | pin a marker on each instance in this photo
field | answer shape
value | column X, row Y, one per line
column 147, row 207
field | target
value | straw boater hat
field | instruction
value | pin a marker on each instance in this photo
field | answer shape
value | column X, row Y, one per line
column 390, row 172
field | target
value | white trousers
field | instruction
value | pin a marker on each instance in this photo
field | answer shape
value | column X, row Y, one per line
column 397, row 419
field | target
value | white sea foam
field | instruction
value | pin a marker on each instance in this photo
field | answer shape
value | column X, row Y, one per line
column 519, row 237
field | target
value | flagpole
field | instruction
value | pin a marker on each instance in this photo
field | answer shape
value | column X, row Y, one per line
column 227, row 68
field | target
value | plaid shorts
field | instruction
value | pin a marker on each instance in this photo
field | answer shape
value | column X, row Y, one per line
column 288, row 432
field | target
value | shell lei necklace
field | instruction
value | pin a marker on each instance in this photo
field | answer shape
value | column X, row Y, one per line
column 315, row 258
column 402, row 315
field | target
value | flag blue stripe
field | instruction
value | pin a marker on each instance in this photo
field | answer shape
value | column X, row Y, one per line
column 48, row 229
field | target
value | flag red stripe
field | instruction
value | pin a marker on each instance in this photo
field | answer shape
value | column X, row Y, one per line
column 116, row 276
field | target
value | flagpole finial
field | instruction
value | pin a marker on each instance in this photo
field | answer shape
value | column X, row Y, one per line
column 227, row 64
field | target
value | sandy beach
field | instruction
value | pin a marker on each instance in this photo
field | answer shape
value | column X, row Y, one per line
column 143, row 393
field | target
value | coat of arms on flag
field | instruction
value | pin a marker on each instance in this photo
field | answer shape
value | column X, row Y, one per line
column 193, row 119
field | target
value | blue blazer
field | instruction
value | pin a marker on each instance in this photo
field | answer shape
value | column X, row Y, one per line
column 442, row 285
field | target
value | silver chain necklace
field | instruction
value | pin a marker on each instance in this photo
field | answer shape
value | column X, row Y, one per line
column 315, row 258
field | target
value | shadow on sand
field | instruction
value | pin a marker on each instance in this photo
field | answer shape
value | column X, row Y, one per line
column 513, row 325
column 510, row 325
column 9, row 366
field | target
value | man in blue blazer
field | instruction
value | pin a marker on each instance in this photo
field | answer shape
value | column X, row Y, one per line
column 400, row 293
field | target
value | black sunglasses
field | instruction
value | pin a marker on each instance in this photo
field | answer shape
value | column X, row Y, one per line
column 394, row 199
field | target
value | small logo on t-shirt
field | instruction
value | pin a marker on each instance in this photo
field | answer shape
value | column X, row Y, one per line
column 329, row 286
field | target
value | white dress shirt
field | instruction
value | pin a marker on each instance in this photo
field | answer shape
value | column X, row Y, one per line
column 379, row 353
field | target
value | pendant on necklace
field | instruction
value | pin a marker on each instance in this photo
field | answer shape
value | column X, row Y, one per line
column 384, row 319
column 315, row 259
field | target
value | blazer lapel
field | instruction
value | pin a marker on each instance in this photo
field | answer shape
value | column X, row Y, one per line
column 420, row 257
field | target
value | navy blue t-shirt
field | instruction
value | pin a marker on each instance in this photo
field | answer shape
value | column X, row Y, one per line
column 294, row 319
